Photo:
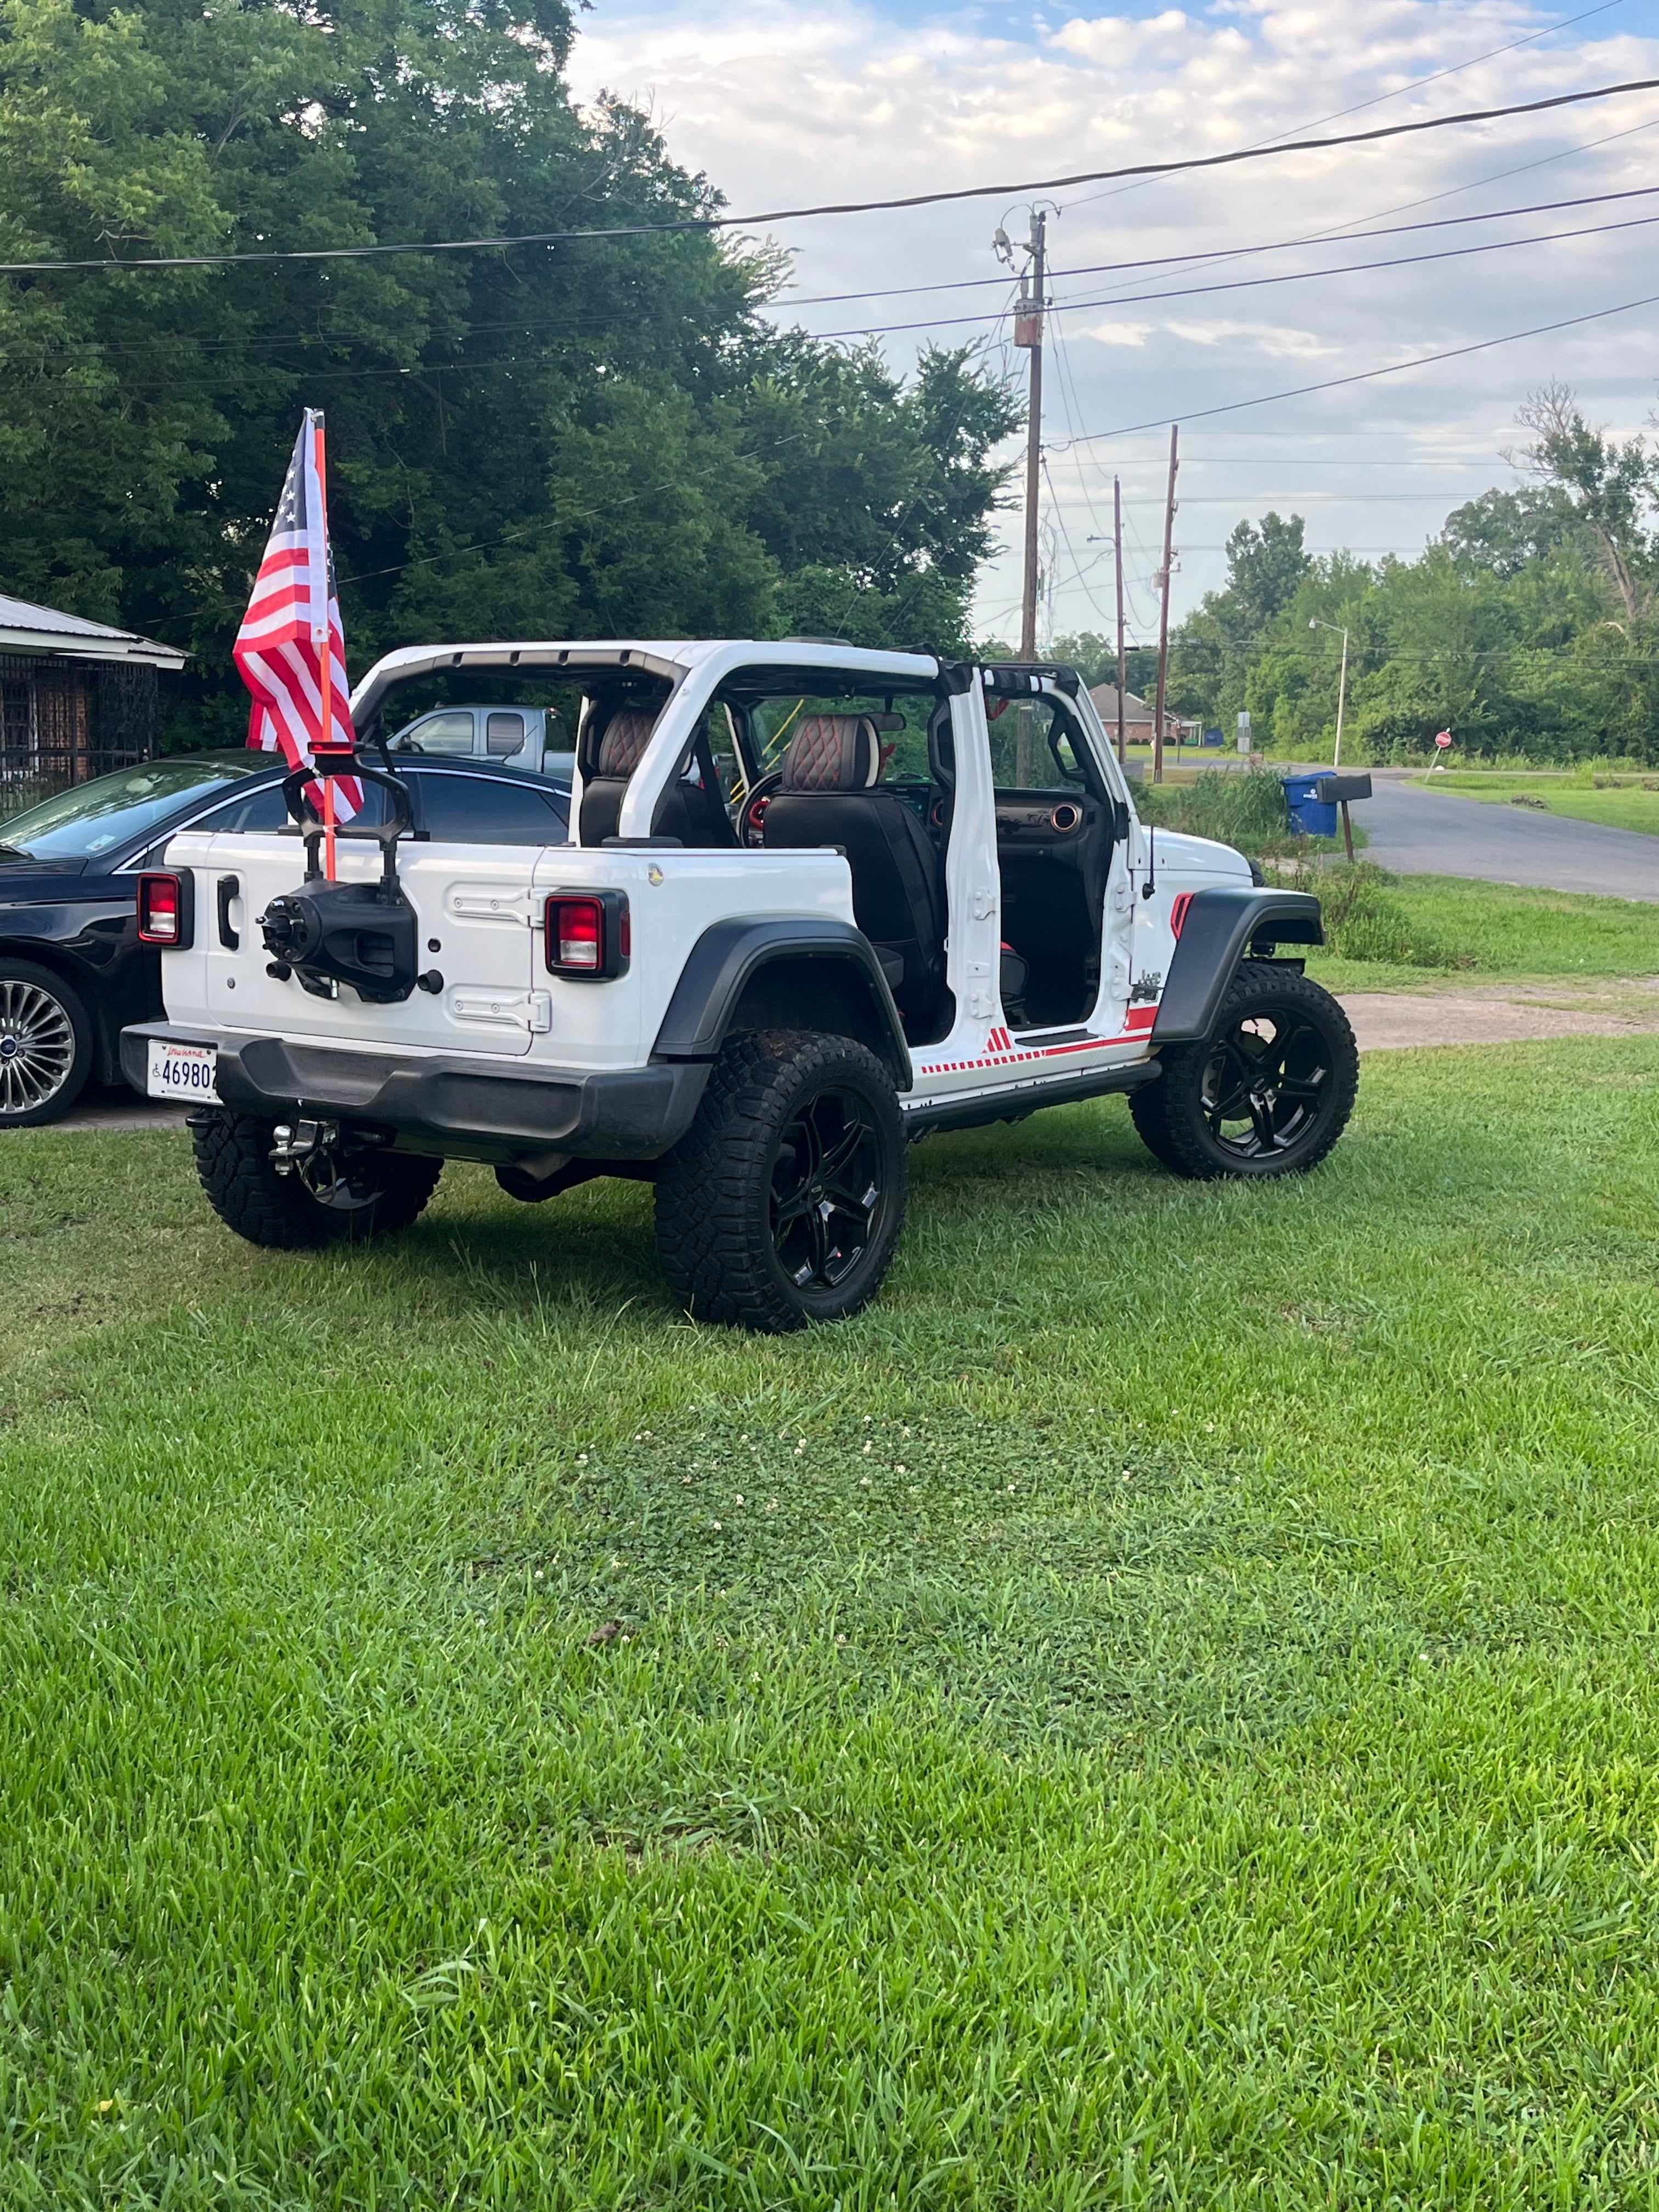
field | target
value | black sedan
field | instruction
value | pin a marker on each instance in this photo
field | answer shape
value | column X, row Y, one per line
column 72, row 971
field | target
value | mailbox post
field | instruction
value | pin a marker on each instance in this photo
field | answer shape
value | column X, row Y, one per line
column 1336, row 791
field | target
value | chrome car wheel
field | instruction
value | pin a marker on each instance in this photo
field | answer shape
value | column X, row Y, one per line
column 37, row 1047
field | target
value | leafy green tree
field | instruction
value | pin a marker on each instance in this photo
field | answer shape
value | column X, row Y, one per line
column 1607, row 488
column 1266, row 564
column 1531, row 626
column 589, row 437
column 1211, row 652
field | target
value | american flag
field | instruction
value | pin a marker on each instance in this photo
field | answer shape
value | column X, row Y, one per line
column 280, row 645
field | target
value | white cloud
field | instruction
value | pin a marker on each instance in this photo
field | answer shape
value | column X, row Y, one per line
column 787, row 102
column 1272, row 338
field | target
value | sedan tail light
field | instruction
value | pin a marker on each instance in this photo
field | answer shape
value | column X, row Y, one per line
column 589, row 935
column 167, row 910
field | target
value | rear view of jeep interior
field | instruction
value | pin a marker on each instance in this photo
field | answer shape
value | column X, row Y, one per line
column 779, row 762
column 870, row 775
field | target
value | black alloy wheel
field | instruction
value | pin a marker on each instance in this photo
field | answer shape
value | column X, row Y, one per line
column 826, row 1189
column 1267, row 1093
column 1264, row 1082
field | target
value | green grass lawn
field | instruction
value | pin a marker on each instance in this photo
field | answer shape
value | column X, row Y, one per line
column 1492, row 932
column 1625, row 807
column 1160, row 1712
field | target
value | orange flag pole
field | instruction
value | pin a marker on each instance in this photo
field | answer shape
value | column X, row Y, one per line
column 326, row 670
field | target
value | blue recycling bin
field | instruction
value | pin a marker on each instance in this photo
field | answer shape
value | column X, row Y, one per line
column 1310, row 815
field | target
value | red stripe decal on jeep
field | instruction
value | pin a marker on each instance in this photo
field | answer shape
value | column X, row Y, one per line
column 1138, row 1023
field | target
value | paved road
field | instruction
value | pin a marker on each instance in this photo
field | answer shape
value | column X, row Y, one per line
column 1419, row 832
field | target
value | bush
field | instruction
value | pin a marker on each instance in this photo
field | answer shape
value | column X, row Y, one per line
column 1243, row 809
column 1365, row 921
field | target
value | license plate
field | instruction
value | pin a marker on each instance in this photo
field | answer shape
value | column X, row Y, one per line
column 182, row 1071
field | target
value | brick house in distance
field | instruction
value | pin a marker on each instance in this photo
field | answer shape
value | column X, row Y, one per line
column 1138, row 719
column 77, row 699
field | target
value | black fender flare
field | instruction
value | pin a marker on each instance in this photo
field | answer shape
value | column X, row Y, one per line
column 1218, row 928
column 729, row 954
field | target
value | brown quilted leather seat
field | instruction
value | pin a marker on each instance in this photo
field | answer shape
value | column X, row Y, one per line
column 693, row 813
column 829, row 796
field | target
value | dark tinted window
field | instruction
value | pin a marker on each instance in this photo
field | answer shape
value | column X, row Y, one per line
column 476, row 809
column 261, row 809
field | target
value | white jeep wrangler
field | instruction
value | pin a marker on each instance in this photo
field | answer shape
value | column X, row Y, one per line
column 817, row 902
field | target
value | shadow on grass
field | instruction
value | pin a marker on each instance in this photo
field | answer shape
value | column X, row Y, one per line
column 595, row 1246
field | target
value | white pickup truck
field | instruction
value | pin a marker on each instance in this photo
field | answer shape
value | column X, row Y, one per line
column 818, row 901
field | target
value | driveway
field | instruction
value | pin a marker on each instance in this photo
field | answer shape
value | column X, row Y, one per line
column 1430, row 833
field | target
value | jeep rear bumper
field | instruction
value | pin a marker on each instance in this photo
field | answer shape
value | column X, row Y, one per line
column 459, row 1108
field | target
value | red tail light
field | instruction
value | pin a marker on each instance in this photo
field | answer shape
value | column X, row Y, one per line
column 589, row 935
column 575, row 934
column 165, row 910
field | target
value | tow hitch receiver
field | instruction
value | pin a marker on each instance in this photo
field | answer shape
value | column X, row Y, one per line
column 297, row 1140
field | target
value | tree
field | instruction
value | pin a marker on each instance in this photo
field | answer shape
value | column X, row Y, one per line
column 1265, row 563
column 1607, row 488
column 1503, row 530
column 1212, row 651
column 592, row 437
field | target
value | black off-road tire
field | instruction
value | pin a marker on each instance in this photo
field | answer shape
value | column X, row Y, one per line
column 232, row 1158
column 1146, row 1112
column 46, row 1033
column 742, row 1238
column 1268, row 1093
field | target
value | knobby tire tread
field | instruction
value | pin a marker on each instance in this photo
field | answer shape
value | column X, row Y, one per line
column 713, row 1233
column 245, row 1190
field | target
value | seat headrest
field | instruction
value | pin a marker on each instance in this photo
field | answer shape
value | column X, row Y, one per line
column 627, row 734
column 833, row 752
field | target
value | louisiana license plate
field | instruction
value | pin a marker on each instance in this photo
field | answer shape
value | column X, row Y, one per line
column 182, row 1071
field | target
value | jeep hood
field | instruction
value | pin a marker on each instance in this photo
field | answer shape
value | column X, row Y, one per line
column 1200, row 856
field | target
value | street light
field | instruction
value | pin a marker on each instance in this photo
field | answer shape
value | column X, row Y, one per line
column 1337, row 630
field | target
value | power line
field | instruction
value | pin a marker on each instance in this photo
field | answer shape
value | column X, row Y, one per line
column 463, row 364
column 612, row 320
column 1255, row 284
column 710, row 222
column 1339, row 230
column 1391, row 368
column 1212, row 254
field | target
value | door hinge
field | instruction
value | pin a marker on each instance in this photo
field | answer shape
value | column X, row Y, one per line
column 541, row 1013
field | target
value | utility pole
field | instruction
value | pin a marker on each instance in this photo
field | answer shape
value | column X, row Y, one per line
column 1117, row 546
column 1163, row 608
column 1028, row 334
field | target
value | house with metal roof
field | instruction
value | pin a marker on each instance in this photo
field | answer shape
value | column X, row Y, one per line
column 76, row 698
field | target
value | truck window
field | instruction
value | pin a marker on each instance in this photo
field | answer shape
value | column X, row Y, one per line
column 445, row 736
column 504, row 735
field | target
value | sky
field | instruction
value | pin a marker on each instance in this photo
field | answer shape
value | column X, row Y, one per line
column 789, row 102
